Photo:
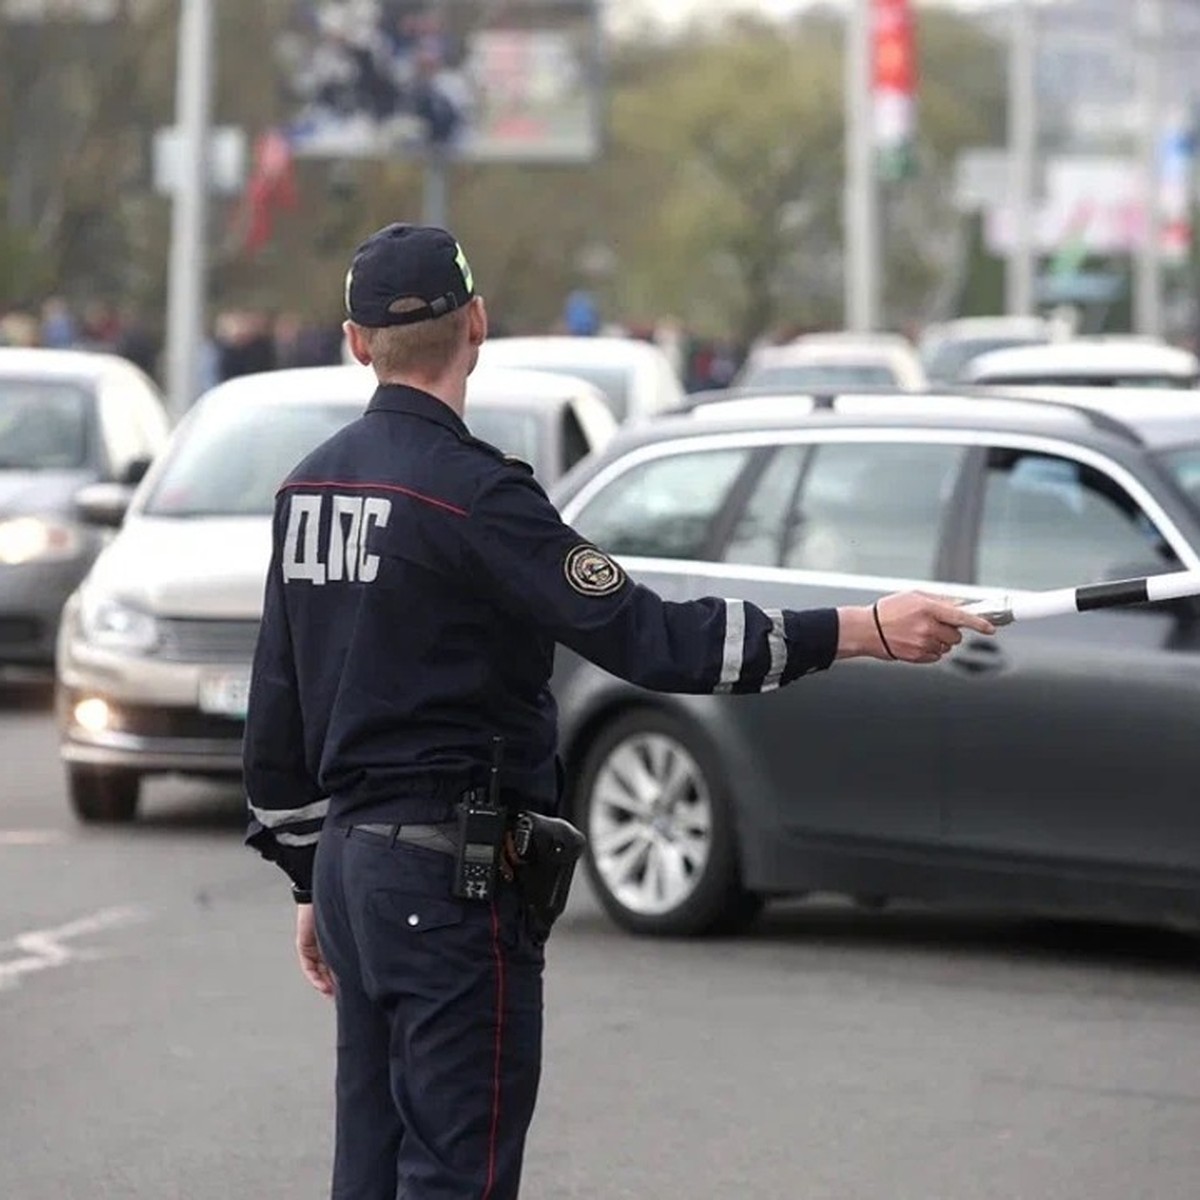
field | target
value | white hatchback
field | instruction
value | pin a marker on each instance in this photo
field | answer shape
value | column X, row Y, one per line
column 155, row 646
column 635, row 376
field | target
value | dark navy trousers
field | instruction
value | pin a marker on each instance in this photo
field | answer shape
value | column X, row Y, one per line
column 439, row 1014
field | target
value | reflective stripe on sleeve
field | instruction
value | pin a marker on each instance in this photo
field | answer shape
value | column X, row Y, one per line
column 273, row 818
column 735, row 645
column 777, row 641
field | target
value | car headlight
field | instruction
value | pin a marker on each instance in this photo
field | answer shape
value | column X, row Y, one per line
column 36, row 539
column 109, row 624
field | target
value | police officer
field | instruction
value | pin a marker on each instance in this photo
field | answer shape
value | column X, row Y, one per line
column 418, row 584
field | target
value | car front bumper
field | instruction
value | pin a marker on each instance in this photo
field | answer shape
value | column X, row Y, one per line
column 151, row 716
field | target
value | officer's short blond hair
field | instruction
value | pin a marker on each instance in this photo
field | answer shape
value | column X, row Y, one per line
column 426, row 349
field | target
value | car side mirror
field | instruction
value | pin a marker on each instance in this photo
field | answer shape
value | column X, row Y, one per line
column 103, row 504
column 135, row 472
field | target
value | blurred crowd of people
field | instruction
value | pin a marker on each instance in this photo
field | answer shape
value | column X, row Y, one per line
column 57, row 325
column 245, row 341
column 241, row 341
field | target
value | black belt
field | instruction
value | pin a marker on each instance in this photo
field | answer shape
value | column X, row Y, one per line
column 443, row 838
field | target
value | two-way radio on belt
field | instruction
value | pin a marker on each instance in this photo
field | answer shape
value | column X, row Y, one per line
column 1004, row 610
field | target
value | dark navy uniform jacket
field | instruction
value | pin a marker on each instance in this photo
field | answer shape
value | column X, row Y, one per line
column 418, row 585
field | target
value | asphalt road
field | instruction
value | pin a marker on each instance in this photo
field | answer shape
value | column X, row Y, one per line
column 157, row 1042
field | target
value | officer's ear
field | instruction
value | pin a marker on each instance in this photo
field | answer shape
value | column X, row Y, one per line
column 356, row 340
column 477, row 322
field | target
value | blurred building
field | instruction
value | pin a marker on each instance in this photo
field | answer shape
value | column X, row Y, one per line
column 1087, row 68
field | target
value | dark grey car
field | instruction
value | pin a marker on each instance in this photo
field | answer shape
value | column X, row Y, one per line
column 68, row 420
column 1053, row 767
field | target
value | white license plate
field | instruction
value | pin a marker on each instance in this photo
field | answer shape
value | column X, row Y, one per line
column 226, row 695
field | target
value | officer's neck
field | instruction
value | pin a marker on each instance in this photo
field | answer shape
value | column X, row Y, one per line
column 450, row 389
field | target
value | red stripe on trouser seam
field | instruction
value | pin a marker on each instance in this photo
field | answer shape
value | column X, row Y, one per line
column 495, row 1130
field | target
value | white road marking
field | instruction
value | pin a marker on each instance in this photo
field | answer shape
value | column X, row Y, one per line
column 31, row 837
column 41, row 949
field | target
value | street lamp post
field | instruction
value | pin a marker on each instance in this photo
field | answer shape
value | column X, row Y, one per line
column 1022, row 160
column 861, row 199
column 1151, row 45
column 187, row 282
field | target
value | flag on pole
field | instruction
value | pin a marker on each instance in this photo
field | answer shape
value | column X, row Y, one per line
column 894, row 86
column 271, row 190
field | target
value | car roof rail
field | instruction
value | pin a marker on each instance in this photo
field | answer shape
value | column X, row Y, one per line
column 1103, row 421
column 826, row 401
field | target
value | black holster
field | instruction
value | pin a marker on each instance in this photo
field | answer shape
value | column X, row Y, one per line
column 547, row 850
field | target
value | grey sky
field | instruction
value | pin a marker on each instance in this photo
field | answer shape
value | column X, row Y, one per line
column 676, row 11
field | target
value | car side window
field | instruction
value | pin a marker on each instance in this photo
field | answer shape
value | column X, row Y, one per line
column 574, row 441
column 873, row 509
column 761, row 532
column 1052, row 522
column 665, row 507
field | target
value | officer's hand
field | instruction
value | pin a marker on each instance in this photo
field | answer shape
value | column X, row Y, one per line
column 309, row 952
column 917, row 628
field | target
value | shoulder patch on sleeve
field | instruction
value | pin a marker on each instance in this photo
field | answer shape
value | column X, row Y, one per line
column 591, row 572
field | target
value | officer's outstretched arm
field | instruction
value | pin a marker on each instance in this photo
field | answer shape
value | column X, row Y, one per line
column 542, row 571
column 285, row 804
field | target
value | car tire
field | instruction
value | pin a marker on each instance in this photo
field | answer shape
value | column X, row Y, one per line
column 687, row 827
column 103, row 797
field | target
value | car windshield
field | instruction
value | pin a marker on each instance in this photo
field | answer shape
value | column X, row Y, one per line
column 513, row 430
column 821, row 375
column 229, row 460
column 43, row 425
column 947, row 361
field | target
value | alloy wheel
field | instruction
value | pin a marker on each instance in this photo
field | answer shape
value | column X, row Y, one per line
column 650, row 822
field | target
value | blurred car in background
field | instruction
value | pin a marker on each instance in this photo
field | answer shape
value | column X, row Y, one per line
column 1050, row 768
column 550, row 421
column 844, row 361
column 155, row 648
column 1089, row 362
column 68, row 420
column 635, row 376
column 947, row 349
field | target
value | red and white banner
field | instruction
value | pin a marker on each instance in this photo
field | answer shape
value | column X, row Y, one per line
column 894, row 75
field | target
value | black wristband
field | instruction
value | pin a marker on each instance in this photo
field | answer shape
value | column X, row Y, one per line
column 879, row 626
column 301, row 895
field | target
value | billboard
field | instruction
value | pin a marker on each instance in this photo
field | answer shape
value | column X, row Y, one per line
column 481, row 80
column 1094, row 205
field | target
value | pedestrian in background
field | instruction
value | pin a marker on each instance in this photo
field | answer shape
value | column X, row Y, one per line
column 419, row 582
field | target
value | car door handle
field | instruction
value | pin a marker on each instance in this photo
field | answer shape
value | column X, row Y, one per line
column 978, row 656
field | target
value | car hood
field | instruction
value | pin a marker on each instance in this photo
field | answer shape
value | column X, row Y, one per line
column 197, row 567
column 40, row 492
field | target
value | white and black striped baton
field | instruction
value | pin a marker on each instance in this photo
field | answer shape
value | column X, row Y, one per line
column 1004, row 610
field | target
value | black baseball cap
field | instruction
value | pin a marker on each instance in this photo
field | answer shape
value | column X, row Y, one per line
column 403, row 264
